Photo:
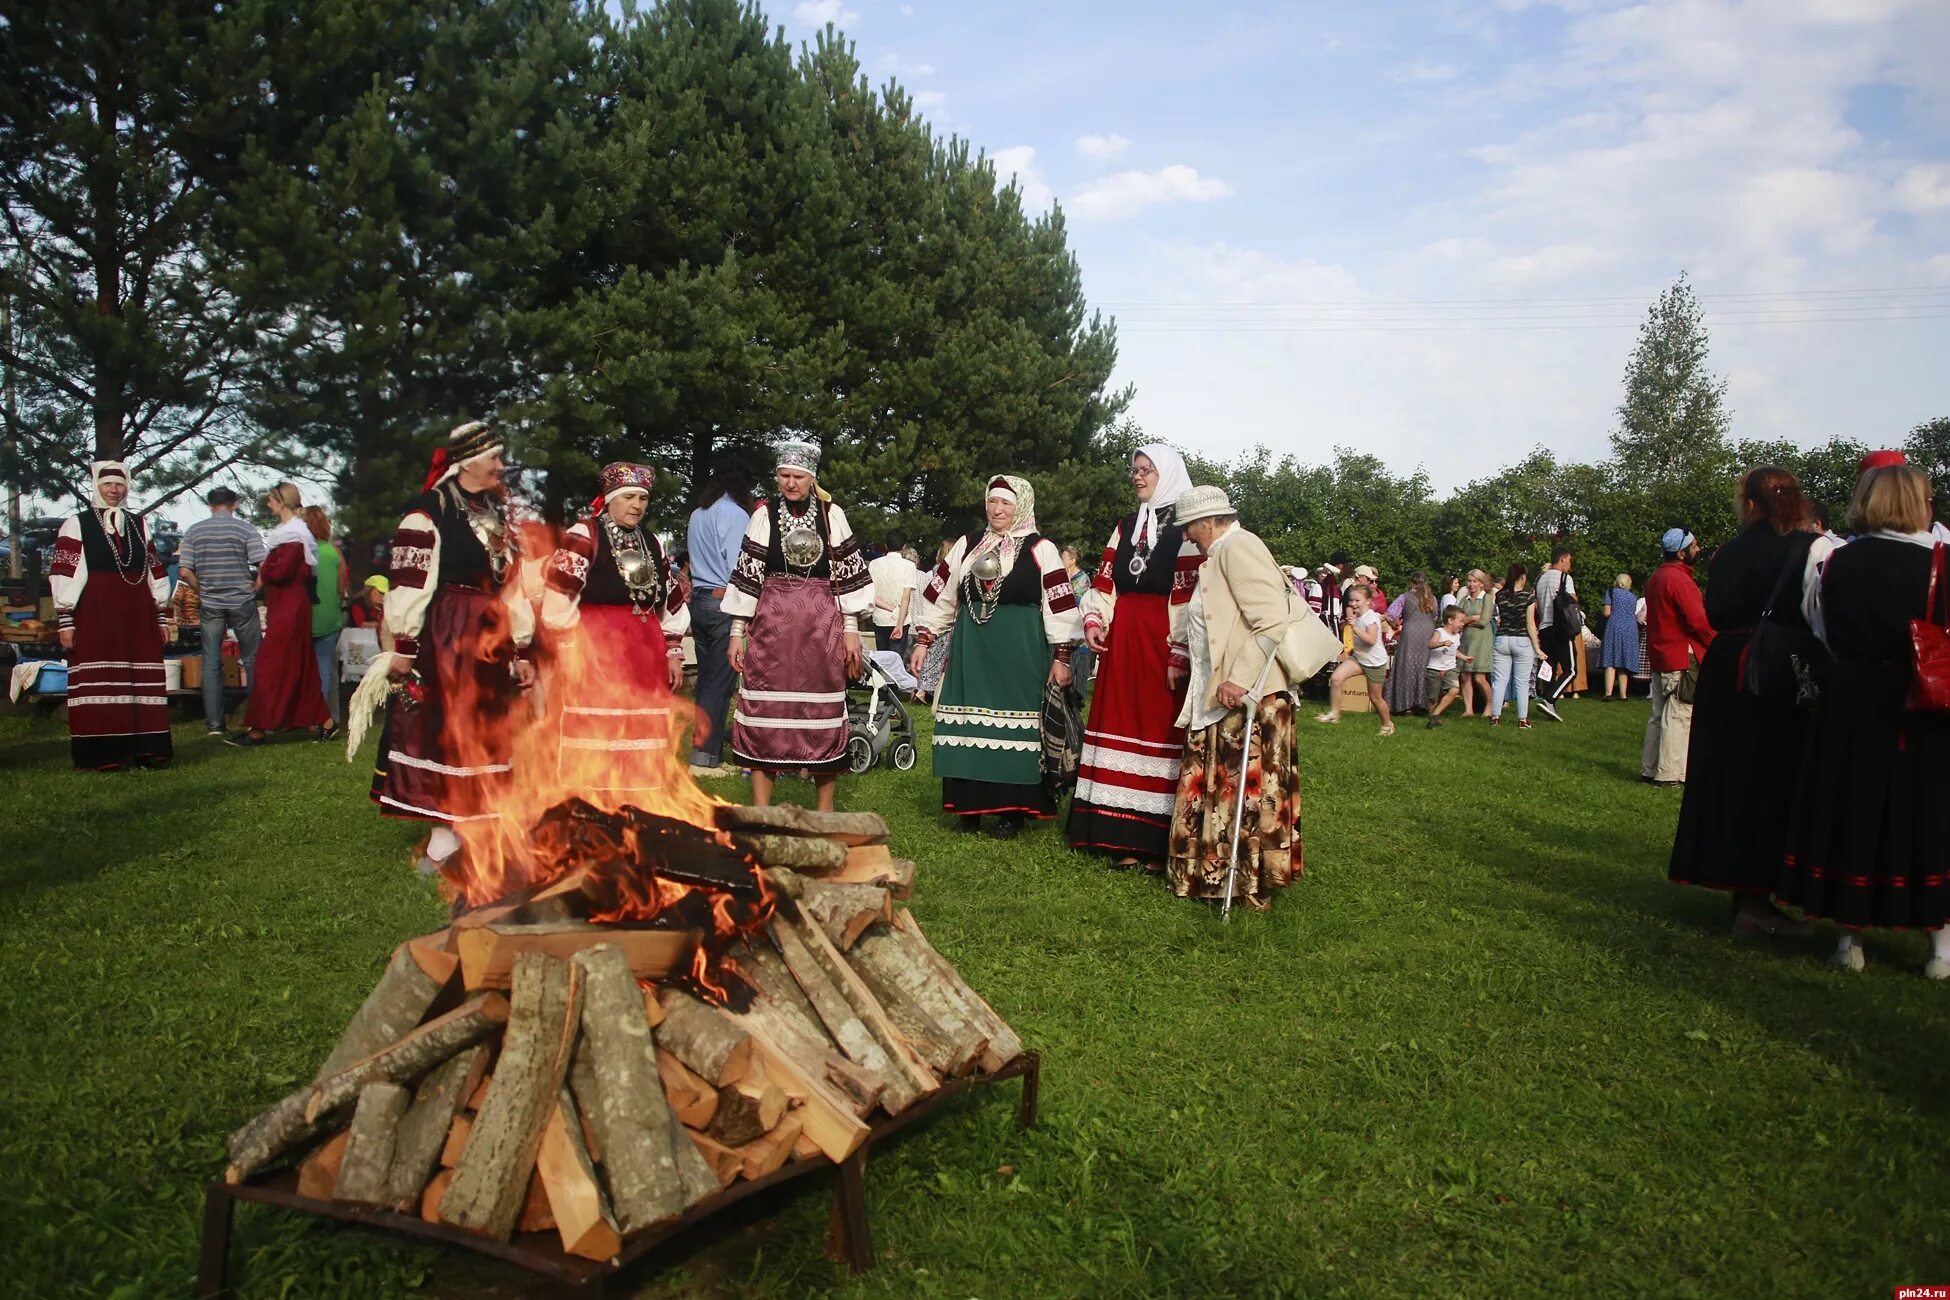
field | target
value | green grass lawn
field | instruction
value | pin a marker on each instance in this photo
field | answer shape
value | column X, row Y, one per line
column 1482, row 1049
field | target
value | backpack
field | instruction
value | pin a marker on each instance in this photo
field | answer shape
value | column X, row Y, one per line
column 1566, row 613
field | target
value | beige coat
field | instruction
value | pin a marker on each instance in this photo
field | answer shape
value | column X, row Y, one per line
column 1246, row 596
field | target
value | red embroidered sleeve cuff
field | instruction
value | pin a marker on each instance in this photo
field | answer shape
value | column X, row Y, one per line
column 407, row 645
column 923, row 636
column 1064, row 651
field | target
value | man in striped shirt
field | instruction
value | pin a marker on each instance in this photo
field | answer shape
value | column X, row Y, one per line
column 221, row 555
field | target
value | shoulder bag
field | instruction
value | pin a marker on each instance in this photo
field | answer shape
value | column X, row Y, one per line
column 1929, row 644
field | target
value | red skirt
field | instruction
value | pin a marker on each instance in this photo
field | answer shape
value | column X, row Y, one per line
column 1127, row 779
column 118, row 707
column 285, row 692
column 614, row 730
column 447, row 759
column 791, row 710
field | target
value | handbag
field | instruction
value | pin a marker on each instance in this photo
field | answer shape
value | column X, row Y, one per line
column 1785, row 662
column 1929, row 645
column 1688, row 680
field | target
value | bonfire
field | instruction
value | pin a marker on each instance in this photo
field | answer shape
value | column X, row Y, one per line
column 645, row 998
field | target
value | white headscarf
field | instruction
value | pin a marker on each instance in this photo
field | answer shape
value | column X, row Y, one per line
column 1173, row 482
column 294, row 529
column 112, row 519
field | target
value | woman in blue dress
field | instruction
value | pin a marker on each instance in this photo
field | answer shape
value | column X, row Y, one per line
column 1620, row 655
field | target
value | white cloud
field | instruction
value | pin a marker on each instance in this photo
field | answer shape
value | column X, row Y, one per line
column 1102, row 146
column 1125, row 194
column 1422, row 72
column 817, row 13
column 931, row 101
column 1018, row 163
column 1924, row 188
column 900, row 67
column 907, row 11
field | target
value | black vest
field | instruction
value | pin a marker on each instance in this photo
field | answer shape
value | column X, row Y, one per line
column 605, row 585
column 100, row 551
column 464, row 560
column 782, row 520
column 1162, row 567
column 1023, row 586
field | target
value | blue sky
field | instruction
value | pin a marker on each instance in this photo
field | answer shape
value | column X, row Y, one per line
column 1428, row 230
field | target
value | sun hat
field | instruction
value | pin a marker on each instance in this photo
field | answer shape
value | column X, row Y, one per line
column 380, row 583
column 1367, row 571
column 1203, row 503
column 1676, row 540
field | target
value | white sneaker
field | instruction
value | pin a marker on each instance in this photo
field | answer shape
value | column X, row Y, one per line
column 698, row 770
column 1851, row 960
column 1936, row 968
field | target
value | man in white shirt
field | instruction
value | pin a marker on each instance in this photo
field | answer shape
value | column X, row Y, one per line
column 1556, row 638
column 893, row 594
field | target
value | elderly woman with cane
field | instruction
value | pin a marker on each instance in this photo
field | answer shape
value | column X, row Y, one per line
column 1236, row 825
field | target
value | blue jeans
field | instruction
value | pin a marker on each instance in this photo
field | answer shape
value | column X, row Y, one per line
column 1515, row 658
column 327, row 649
column 711, row 634
column 242, row 621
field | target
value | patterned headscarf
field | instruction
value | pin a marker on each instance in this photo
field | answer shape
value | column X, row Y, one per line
column 621, row 476
column 1017, row 490
column 467, row 442
column 98, row 471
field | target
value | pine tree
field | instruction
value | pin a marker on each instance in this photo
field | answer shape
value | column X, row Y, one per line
column 1671, row 440
column 124, row 342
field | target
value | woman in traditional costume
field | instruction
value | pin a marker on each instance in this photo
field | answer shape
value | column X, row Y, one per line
column 111, row 595
column 1869, row 845
column 1238, row 618
column 1134, row 619
column 1007, row 598
column 798, row 592
column 285, row 691
column 459, row 625
column 619, row 620
column 1744, row 752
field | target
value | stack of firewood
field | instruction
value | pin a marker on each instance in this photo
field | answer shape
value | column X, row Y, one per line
column 600, row 1096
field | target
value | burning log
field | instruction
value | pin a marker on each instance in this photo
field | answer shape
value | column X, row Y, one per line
column 847, row 828
column 397, row 1003
column 702, row 1039
column 616, row 1083
column 851, row 1013
column 428, row 1126
column 491, row 1180
column 575, row 1197
column 487, row 953
column 748, row 1109
column 369, row 1144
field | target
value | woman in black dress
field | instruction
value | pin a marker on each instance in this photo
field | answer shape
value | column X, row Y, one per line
column 1870, row 839
column 1745, row 752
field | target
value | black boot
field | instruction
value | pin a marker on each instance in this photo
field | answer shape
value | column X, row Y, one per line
column 1007, row 826
column 968, row 823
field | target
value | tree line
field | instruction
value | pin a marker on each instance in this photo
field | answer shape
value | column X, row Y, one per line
column 284, row 234
column 275, row 233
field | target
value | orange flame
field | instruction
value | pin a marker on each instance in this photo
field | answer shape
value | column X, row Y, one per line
column 600, row 727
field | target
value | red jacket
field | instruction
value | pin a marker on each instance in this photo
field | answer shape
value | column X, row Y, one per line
column 1675, row 619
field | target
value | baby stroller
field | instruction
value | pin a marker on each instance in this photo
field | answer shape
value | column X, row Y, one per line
column 877, row 724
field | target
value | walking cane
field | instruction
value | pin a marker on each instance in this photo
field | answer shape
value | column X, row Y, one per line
column 1251, row 705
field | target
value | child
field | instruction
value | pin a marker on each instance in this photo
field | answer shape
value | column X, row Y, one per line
column 1370, row 659
column 1444, row 678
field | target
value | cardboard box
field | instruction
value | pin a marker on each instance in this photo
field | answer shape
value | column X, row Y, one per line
column 233, row 671
column 1354, row 695
column 192, row 672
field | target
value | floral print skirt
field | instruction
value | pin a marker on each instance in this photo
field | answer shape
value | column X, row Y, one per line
column 1208, row 791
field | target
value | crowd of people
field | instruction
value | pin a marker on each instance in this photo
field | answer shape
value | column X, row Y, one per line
column 1783, row 688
